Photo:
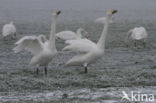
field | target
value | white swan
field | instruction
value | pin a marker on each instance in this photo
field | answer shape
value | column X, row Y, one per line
column 137, row 34
column 9, row 30
column 70, row 35
column 103, row 20
column 87, row 50
column 42, row 49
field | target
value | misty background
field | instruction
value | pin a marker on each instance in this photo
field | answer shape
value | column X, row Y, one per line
column 75, row 10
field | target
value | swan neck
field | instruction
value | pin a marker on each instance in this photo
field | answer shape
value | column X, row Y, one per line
column 79, row 33
column 101, row 42
column 40, row 41
column 53, row 32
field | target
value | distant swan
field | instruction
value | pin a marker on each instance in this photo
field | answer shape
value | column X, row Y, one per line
column 87, row 50
column 70, row 35
column 9, row 30
column 136, row 34
column 42, row 49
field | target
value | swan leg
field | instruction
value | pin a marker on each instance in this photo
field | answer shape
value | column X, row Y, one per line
column 15, row 35
column 127, row 45
column 86, row 70
column 85, row 67
column 45, row 70
column 37, row 71
column 135, row 44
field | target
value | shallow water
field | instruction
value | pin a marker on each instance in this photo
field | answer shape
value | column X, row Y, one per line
column 119, row 69
column 103, row 95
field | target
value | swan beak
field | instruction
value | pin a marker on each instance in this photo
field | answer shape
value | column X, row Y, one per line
column 58, row 12
column 86, row 35
column 113, row 11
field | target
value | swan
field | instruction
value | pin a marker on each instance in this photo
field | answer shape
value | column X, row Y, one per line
column 42, row 49
column 103, row 20
column 70, row 35
column 87, row 50
column 136, row 34
column 9, row 30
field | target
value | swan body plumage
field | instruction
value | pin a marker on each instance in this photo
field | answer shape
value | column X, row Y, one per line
column 9, row 30
column 42, row 49
column 70, row 35
column 88, row 51
column 136, row 34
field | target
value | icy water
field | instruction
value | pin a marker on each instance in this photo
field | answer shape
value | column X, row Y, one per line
column 120, row 69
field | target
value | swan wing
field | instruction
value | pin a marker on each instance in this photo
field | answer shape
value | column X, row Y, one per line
column 100, row 20
column 66, row 35
column 75, row 60
column 103, row 20
column 30, row 43
column 80, row 45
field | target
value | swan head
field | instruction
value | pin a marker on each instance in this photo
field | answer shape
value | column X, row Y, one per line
column 86, row 34
column 58, row 12
column 42, row 38
column 111, row 12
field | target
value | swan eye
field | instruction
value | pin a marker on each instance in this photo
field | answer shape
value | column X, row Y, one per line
column 113, row 11
column 58, row 12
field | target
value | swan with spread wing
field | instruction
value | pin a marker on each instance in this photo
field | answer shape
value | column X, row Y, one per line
column 42, row 49
column 88, row 51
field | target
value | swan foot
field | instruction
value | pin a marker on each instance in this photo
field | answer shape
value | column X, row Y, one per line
column 45, row 70
column 86, row 70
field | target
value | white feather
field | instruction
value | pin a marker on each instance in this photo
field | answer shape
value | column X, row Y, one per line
column 80, row 45
column 30, row 43
column 42, row 49
column 70, row 35
column 139, row 33
column 103, row 20
column 66, row 35
column 87, row 51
